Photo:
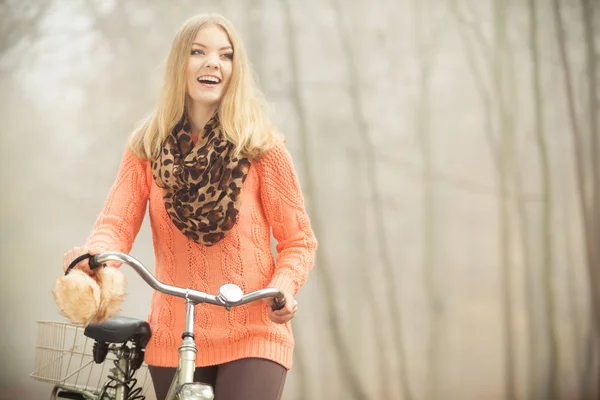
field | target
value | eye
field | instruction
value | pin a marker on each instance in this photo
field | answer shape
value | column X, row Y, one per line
column 197, row 51
column 228, row 56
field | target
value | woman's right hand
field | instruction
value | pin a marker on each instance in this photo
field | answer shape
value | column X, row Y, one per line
column 73, row 254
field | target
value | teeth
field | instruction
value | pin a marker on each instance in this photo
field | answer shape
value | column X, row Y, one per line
column 209, row 78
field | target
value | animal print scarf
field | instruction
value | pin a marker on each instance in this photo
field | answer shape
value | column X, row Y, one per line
column 201, row 183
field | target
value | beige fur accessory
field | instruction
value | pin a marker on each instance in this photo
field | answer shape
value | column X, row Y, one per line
column 85, row 299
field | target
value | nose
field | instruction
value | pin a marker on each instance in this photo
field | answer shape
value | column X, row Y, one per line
column 212, row 62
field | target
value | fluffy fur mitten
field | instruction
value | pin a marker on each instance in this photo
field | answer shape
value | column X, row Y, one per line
column 85, row 299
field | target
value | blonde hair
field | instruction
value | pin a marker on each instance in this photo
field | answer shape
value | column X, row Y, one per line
column 242, row 110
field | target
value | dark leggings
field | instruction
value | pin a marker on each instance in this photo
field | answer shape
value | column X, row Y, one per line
column 248, row 379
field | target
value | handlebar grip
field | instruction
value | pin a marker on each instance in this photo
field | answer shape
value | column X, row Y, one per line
column 278, row 303
column 93, row 263
column 76, row 261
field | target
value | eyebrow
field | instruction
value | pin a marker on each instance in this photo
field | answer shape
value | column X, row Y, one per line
column 222, row 48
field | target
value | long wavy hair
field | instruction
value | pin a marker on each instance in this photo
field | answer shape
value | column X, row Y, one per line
column 242, row 110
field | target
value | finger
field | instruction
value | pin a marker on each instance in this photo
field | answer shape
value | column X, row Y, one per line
column 72, row 255
column 68, row 258
column 84, row 250
column 281, row 313
column 268, row 301
column 287, row 306
column 281, row 320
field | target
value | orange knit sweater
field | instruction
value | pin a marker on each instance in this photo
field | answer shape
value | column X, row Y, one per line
column 271, row 200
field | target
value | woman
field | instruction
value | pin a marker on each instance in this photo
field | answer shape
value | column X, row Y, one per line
column 217, row 180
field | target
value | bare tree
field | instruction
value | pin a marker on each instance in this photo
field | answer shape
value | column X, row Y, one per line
column 378, row 214
column 351, row 379
column 502, row 151
column 593, row 193
column 585, row 196
column 426, row 46
column 546, row 233
column 503, row 174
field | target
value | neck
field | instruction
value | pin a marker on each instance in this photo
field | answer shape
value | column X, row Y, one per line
column 198, row 115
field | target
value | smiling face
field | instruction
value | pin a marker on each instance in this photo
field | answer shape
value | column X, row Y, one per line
column 209, row 67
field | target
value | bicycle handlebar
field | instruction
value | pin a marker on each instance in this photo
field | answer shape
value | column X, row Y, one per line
column 229, row 296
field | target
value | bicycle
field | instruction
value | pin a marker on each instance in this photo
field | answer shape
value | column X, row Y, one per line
column 126, row 339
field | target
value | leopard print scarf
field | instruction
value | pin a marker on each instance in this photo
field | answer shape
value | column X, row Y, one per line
column 201, row 183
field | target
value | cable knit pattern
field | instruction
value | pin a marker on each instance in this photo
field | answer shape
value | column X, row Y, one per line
column 271, row 199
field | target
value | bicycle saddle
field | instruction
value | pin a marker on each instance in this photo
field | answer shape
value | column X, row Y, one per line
column 120, row 330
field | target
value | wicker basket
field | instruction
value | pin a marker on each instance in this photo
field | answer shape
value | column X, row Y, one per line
column 63, row 355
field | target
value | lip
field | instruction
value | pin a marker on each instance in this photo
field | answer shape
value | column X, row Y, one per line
column 213, row 86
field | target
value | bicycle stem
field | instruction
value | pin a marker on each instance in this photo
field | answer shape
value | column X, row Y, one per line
column 189, row 317
column 188, row 350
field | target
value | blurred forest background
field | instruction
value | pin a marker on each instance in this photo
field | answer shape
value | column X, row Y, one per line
column 448, row 151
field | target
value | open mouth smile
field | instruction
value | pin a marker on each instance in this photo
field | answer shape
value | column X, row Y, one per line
column 209, row 80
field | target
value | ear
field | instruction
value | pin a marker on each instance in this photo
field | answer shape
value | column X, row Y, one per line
column 112, row 284
column 77, row 296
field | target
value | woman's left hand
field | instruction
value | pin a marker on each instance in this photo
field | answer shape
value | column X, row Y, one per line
column 286, row 313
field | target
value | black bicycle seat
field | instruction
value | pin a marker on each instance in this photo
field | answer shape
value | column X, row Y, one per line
column 120, row 330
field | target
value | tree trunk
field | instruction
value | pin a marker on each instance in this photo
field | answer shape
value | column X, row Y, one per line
column 546, row 232
column 500, row 48
column 425, row 55
column 586, row 203
column 594, row 165
column 351, row 378
column 380, row 228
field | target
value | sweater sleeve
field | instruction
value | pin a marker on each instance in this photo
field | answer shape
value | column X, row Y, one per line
column 121, row 218
column 283, row 205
